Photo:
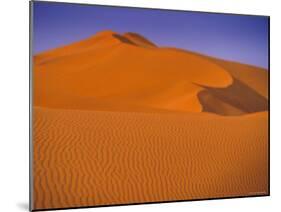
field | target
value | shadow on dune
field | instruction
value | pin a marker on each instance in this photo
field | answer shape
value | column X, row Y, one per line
column 237, row 99
column 134, row 39
column 123, row 39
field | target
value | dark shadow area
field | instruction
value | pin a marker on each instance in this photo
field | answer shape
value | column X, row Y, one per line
column 236, row 99
column 123, row 39
column 140, row 38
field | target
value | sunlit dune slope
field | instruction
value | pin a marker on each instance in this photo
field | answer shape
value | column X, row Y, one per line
column 114, row 72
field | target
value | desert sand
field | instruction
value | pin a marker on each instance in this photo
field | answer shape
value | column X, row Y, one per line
column 119, row 120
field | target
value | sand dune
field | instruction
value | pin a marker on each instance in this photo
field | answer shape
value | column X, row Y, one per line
column 94, row 158
column 119, row 120
column 109, row 70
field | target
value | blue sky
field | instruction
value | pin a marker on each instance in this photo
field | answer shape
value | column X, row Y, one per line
column 232, row 37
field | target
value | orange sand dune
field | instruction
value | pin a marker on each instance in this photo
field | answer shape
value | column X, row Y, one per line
column 87, row 158
column 109, row 70
column 119, row 120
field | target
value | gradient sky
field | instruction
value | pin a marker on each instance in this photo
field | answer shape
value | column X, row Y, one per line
column 233, row 37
